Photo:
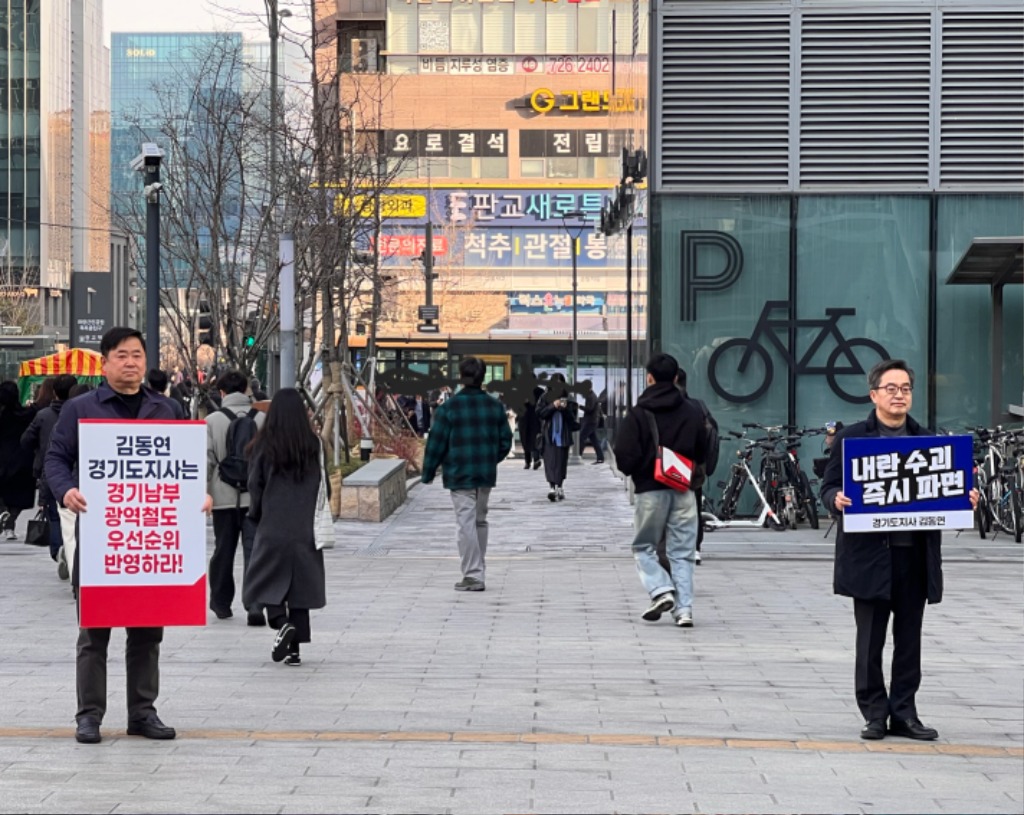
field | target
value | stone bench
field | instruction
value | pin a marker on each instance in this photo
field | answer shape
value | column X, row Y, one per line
column 373, row 491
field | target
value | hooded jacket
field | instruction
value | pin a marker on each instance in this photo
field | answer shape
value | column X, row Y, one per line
column 680, row 428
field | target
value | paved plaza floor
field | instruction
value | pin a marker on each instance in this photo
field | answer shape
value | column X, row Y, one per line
column 545, row 693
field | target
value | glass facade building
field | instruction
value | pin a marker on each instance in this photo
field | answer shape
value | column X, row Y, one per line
column 54, row 131
column 818, row 171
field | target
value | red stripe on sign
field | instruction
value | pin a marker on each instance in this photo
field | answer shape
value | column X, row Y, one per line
column 142, row 606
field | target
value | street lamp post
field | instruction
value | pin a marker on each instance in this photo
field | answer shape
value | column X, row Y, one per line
column 574, row 224
column 287, row 269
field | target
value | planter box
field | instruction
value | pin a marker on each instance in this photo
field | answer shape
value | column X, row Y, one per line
column 373, row 491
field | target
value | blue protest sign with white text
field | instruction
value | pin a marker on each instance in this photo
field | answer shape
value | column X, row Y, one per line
column 908, row 483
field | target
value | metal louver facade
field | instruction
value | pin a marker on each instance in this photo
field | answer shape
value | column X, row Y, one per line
column 808, row 95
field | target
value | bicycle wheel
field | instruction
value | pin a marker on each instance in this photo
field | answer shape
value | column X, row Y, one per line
column 847, row 380
column 810, row 501
column 727, row 509
column 733, row 382
column 1018, row 514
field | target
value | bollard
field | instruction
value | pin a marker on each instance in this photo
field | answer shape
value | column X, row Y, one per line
column 365, row 449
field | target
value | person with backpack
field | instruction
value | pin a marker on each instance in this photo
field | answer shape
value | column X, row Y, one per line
column 228, row 432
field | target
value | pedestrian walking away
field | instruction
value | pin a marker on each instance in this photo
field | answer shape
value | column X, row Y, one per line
column 469, row 436
column 121, row 397
column 36, row 440
column 888, row 574
column 557, row 412
column 228, row 433
column 17, row 484
column 286, row 572
column 661, row 510
column 588, row 427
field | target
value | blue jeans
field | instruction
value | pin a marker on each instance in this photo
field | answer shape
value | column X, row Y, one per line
column 673, row 514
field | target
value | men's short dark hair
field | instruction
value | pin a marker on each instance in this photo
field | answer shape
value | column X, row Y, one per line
column 471, row 371
column 157, row 380
column 63, row 384
column 232, row 382
column 879, row 370
column 117, row 335
column 663, row 367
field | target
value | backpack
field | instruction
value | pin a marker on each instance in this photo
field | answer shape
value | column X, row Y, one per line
column 234, row 467
column 712, row 442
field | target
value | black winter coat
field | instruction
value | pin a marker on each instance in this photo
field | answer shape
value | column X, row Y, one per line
column 680, row 428
column 863, row 564
column 37, row 438
column 285, row 562
column 17, row 483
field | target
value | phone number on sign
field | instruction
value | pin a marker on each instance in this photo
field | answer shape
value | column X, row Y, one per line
column 579, row 65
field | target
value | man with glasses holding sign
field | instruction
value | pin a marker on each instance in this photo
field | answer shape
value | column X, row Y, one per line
column 894, row 496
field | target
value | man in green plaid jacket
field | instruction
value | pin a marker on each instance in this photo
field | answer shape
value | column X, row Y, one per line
column 469, row 435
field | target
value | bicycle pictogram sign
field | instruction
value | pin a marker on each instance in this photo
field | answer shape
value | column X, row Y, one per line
column 727, row 368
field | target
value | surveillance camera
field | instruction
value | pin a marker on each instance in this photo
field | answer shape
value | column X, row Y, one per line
column 152, row 191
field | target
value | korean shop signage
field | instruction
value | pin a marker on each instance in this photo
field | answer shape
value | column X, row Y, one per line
column 522, row 208
column 569, row 143
column 446, row 143
column 583, row 102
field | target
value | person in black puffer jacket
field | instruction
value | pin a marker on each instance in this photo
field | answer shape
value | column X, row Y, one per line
column 660, row 509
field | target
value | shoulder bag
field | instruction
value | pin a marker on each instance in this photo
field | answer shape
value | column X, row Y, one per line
column 323, row 522
column 670, row 468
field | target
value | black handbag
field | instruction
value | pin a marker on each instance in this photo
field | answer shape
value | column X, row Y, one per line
column 38, row 533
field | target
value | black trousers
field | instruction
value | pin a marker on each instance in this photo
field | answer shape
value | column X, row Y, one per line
column 909, row 596
column 228, row 525
column 142, row 664
column 277, row 616
column 589, row 438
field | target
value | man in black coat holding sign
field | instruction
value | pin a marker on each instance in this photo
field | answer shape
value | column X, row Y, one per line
column 886, row 573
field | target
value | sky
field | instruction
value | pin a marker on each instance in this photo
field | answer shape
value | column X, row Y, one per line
column 190, row 15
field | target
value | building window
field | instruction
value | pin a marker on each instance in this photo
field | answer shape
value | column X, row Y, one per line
column 465, row 28
column 531, row 167
column 529, row 27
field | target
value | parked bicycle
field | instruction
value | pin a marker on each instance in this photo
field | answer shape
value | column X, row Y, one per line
column 999, row 459
column 740, row 475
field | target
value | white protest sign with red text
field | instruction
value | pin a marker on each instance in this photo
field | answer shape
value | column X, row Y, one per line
column 142, row 539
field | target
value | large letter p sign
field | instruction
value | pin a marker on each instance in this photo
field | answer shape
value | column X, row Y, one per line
column 695, row 281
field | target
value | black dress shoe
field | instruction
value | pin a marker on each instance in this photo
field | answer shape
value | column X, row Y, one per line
column 256, row 619
column 88, row 730
column 874, row 729
column 151, row 727
column 912, row 729
column 222, row 613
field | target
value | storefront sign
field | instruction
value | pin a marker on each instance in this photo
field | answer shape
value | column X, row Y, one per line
column 570, row 143
column 493, row 247
column 481, row 66
column 907, row 484
column 545, row 100
column 548, row 302
column 409, row 246
column 391, row 206
column 142, row 556
column 445, row 143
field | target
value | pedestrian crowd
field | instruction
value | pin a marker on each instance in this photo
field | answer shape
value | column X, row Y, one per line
column 266, row 477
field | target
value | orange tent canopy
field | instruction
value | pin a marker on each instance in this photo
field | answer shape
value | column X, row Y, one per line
column 78, row 361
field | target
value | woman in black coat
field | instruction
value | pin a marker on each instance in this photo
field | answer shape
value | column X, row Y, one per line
column 557, row 410
column 17, row 483
column 286, row 571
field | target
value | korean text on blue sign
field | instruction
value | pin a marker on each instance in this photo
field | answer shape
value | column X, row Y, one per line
column 908, row 483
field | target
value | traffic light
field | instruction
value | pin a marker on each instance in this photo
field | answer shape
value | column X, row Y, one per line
column 249, row 332
column 204, row 324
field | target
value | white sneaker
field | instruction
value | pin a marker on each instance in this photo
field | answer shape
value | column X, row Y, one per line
column 561, row 494
column 684, row 619
column 12, row 535
column 696, row 558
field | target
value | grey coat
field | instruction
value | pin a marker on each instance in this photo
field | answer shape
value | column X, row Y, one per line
column 285, row 564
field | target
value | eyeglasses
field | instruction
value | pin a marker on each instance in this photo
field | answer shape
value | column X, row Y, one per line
column 892, row 390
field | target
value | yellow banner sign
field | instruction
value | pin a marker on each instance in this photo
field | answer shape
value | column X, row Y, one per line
column 391, row 206
column 545, row 100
